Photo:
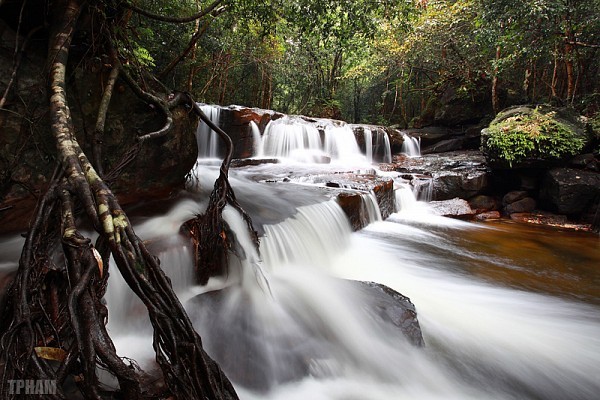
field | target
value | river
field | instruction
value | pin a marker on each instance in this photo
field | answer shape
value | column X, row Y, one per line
column 507, row 310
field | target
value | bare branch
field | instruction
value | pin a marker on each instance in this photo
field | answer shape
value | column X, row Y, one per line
column 175, row 20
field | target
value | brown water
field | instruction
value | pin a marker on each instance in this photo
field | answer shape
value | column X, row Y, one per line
column 537, row 258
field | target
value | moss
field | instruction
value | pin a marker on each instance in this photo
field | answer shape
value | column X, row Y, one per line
column 538, row 134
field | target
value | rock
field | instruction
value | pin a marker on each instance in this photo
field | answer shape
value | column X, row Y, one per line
column 533, row 137
column 585, row 161
column 484, row 216
column 245, row 162
column 513, row 196
column 570, row 191
column 230, row 322
column 451, row 208
column 525, row 205
column 391, row 306
column 461, row 174
column 445, row 146
column 482, row 203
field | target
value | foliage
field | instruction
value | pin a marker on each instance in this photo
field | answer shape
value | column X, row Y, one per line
column 538, row 135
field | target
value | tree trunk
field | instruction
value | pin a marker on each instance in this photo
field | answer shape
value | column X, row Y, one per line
column 495, row 96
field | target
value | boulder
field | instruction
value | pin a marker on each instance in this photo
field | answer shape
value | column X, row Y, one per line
column 524, row 205
column 456, row 207
column 230, row 322
column 483, row 203
column 513, row 196
column 462, row 174
column 570, row 191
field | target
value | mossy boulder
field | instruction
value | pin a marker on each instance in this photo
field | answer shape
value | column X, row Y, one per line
column 527, row 136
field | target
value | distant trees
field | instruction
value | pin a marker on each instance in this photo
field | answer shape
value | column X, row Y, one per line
column 384, row 61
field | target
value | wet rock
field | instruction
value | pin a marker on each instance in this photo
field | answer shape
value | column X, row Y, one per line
column 513, row 196
column 456, row 207
column 445, row 146
column 570, row 191
column 391, row 306
column 525, row 205
column 488, row 215
column 462, row 174
column 245, row 162
column 482, row 203
column 234, row 332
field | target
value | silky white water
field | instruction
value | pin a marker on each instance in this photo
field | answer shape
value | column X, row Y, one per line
column 305, row 335
column 287, row 326
column 411, row 145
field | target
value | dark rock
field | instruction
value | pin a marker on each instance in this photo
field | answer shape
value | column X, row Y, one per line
column 585, row 161
column 513, row 196
column 570, row 191
column 461, row 174
column 445, row 146
column 393, row 307
column 482, row 203
column 451, row 208
column 525, row 205
column 252, row 355
column 245, row 162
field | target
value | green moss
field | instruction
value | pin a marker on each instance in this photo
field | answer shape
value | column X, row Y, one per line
column 537, row 135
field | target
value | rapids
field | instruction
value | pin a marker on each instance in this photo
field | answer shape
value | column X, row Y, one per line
column 507, row 311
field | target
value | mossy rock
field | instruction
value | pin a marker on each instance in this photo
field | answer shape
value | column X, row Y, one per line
column 526, row 136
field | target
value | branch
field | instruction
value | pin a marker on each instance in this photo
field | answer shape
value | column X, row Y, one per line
column 100, row 122
column 175, row 20
column 17, row 64
column 197, row 35
column 150, row 98
column 583, row 44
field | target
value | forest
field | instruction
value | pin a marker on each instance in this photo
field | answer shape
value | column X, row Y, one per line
column 98, row 104
column 380, row 62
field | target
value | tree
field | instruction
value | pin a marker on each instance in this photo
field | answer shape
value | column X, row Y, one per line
column 53, row 321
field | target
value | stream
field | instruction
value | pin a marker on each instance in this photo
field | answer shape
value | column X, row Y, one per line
column 507, row 310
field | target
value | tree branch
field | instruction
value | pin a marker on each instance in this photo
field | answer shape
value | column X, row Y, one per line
column 175, row 20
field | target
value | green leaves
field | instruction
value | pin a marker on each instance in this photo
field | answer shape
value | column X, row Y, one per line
column 539, row 135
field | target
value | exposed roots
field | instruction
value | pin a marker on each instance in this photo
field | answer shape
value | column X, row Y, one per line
column 53, row 325
column 211, row 236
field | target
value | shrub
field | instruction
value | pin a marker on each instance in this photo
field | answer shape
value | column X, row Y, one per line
column 535, row 135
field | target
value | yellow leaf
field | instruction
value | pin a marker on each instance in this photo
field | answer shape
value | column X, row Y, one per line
column 50, row 353
column 98, row 258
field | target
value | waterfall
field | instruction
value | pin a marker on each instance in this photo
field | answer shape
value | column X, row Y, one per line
column 291, row 138
column 423, row 188
column 371, row 207
column 256, row 139
column 310, row 237
column 368, row 135
column 411, row 145
column 208, row 140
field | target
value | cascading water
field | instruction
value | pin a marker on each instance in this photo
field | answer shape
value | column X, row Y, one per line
column 377, row 145
column 288, row 137
column 299, row 140
column 411, row 145
column 256, row 139
column 208, row 140
column 289, row 326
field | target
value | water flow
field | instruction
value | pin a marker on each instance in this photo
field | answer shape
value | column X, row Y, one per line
column 208, row 140
column 256, row 140
column 289, row 137
column 368, row 135
column 411, row 145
